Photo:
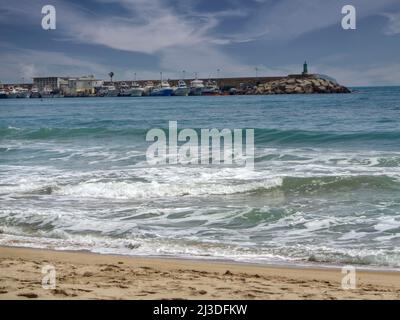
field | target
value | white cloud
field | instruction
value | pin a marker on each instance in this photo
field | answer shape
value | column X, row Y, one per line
column 150, row 26
column 288, row 19
column 393, row 26
column 182, row 39
column 373, row 75
column 33, row 63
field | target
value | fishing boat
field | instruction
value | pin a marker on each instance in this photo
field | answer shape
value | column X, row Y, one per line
column 163, row 89
column 211, row 89
column 3, row 94
column 108, row 91
column 112, row 91
column 196, row 87
column 35, row 93
column 12, row 92
column 136, row 90
column 125, row 90
column 22, row 93
column 148, row 88
column 47, row 92
column 182, row 89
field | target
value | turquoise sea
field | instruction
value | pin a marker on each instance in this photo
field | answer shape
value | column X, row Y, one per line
column 325, row 188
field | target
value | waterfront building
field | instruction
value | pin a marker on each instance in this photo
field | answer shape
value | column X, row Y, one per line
column 81, row 86
column 53, row 83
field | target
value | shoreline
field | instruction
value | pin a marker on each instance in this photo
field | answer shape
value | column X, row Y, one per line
column 86, row 275
column 285, row 264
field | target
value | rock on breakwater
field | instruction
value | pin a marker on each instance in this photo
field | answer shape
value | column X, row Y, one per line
column 301, row 84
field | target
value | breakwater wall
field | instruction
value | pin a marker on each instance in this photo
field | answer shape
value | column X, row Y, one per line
column 222, row 82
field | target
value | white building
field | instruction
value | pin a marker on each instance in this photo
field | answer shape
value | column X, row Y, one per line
column 52, row 83
column 81, row 86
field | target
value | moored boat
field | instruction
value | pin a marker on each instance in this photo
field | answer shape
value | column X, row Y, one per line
column 108, row 91
column 163, row 89
column 211, row 89
column 196, row 87
column 22, row 93
column 124, row 90
column 112, row 91
column 148, row 88
column 35, row 93
column 136, row 90
column 182, row 89
column 3, row 94
column 12, row 92
column 47, row 92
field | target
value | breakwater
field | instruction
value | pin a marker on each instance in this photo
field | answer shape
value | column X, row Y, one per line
column 89, row 87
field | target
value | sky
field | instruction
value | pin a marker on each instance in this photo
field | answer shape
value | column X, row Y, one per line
column 146, row 37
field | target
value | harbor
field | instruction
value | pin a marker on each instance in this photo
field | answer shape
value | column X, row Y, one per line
column 89, row 86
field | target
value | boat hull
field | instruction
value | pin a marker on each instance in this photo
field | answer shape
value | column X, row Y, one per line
column 196, row 91
column 161, row 92
column 46, row 95
column 147, row 92
column 35, row 95
column 112, row 93
column 137, row 92
column 181, row 92
column 125, row 94
column 210, row 93
column 23, row 95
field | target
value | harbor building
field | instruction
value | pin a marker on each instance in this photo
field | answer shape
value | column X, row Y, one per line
column 81, row 86
column 52, row 83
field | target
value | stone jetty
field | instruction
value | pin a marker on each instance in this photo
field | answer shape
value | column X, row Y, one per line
column 299, row 84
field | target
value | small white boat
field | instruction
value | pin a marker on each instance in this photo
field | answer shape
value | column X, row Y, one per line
column 148, row 88
column 182, row 89
column 196, row 87
column 163, row 89
column 211, row 89
column 12, row 92
column 112, row 91
column 124, row 90
column 47, row 92
column 136, row 90
column 35, row 93
column 108, row 91
column 22, row 93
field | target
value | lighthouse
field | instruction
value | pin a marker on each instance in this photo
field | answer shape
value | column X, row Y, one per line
column 305, row 69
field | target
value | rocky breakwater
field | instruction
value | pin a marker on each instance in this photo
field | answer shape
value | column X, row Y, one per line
column 302, row 84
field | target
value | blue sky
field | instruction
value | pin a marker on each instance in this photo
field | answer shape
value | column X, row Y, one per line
column 149, row 36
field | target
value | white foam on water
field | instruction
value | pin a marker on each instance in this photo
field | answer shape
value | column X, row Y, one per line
column 300, row 254
column 145, row 216
column 353, row 235
column 141, row 190
column 387, row 223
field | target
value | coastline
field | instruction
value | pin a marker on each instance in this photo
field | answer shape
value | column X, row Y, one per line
column 84, row 275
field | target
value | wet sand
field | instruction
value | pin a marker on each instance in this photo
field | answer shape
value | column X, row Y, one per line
column 81, row 275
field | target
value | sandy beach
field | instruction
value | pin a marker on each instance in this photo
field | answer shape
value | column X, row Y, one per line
column 83, row 275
